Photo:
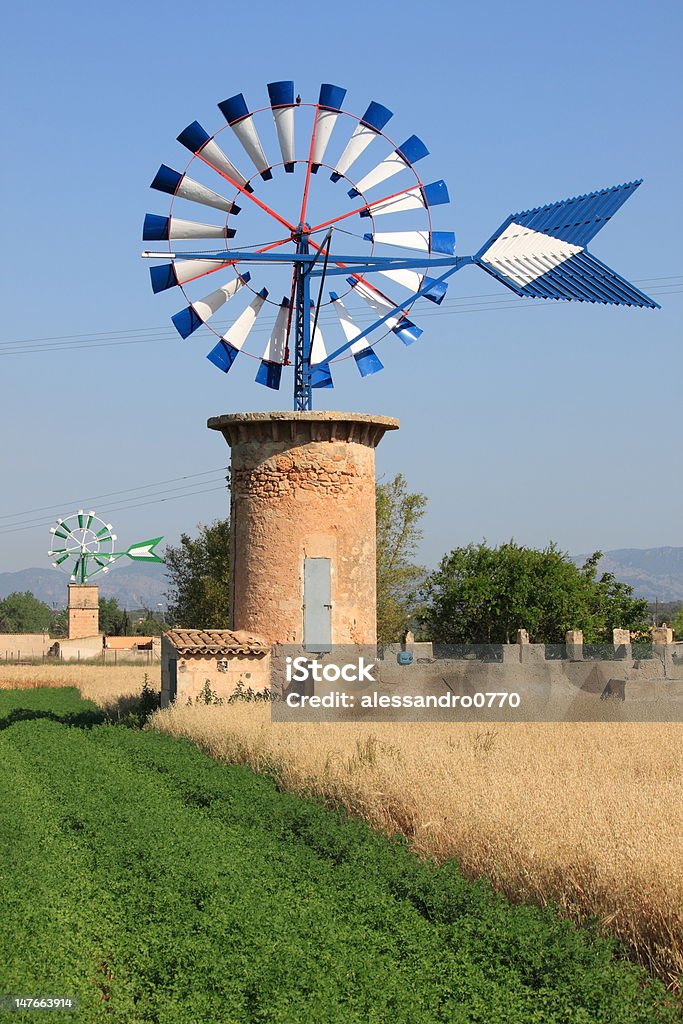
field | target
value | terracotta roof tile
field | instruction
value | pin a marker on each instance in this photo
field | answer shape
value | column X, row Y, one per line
column 126, row 643
column 216, row 641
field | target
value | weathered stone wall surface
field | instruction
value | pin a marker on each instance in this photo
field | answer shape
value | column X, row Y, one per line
column 302, row 486
column 83, row 610
column 24, row 645
column 223, row 674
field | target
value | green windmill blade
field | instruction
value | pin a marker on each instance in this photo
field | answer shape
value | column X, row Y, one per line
column 89, row 546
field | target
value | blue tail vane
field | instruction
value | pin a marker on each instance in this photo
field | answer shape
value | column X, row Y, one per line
column 541, row 253
column 578, row 220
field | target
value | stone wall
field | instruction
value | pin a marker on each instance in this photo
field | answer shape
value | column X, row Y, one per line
column 15, row 646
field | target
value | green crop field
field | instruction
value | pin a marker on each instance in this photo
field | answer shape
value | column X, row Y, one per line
column 155, row 885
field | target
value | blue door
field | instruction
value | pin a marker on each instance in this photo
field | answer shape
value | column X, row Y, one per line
column 317, row 604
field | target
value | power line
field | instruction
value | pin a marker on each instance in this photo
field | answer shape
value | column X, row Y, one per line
column 154, row 499
column 137, row 334
column 109, row 494
column 360, row 318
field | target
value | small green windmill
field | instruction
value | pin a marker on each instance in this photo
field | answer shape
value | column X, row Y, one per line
column 88, row 546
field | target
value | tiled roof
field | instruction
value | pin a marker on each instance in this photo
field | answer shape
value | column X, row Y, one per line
column 216, row 641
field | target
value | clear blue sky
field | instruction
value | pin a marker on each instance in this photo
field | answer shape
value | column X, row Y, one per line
column 536, row 420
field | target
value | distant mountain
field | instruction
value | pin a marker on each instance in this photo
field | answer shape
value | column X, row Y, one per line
column 133, row 586
column 654, row 573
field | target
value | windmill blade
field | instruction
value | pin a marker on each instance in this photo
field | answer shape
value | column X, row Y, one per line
column 158, row 229
column 402, row 327
column 426, row 241
column 203, row 145
column 366, row 360
column 193, row 316
column 366, row 131
column 419, row 198
column 330, row 102
column 270, row 370
column 177, row 184
column 404, row 156
column 541, row 253
column 321, row 375
column 282, row 104
column 225, row 352
column 236, row 113
column 168, row 275
column 414, row 281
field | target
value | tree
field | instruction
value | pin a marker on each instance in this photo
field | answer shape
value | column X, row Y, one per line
column 398, row 514
column 199, row 573
column 24, row 613
column 677, row 624
column 152, row 624
column 114, row 620
column 484, row 595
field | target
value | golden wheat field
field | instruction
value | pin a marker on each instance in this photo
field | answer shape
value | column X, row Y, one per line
column 588, row 816
column 103, row 684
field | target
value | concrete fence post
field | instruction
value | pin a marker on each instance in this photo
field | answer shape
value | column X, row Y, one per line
column 621, row 640
column 573, row 639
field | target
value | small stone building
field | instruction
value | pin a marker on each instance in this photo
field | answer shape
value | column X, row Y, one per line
column 223, row 657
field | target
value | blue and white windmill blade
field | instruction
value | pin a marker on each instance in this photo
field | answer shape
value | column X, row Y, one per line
column 176, row 184
column 401, row 326
column 200, row 312
column 403, row 157
column 363, row 353
column 426, row 241
column 366, row 131
column 269, row 372
column 330, row 102
column 413, row 281
column 282, row 104
column 321, row 375
column 417, row 198
column 169, row 275
column 198, row 141
column 236, row 113
column 156, row 229
column 230, row 345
